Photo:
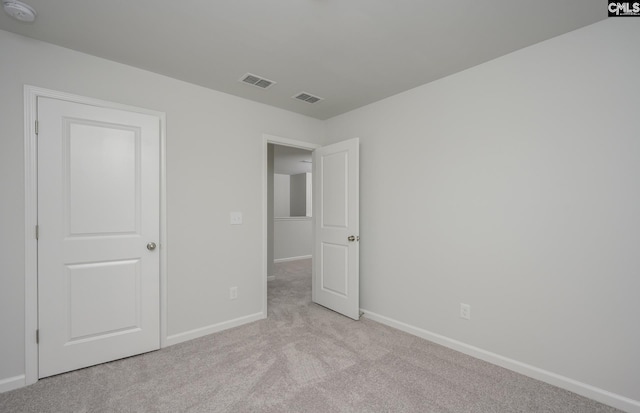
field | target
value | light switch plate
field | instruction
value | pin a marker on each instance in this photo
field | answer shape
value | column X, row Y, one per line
column 235, row 218
column 465, row 311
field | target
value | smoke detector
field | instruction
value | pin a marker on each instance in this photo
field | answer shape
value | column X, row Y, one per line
column 19, row 11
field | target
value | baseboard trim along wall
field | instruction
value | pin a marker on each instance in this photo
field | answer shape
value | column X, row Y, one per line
column 12, row 383
column 583, row 389
column 302, row 257
column 214, row 328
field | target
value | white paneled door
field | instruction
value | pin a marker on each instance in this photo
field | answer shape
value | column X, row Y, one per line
column 336, row 280
column 98, row 220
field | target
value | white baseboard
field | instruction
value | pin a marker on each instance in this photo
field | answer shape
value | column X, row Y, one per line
column 583, row 389
column 12, row 383
column 302, row 257
column 214, row 328
column 271, row 277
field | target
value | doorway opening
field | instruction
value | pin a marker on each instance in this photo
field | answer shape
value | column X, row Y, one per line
column 292, row 211
column 288, row 215
column 292, row 236
column 335, row 223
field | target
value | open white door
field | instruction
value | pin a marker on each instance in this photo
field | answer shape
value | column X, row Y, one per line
column 336, row 278
column 98, row 217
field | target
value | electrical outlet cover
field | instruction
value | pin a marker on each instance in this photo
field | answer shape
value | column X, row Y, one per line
column 235, row 218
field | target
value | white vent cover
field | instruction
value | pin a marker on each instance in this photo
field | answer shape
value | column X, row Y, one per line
column 307, row 97
column 257, row 81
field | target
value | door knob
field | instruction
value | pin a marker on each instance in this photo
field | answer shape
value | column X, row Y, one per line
column 351, row 238
column 151, row 246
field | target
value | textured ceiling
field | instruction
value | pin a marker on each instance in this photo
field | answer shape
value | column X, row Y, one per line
column 349, row 52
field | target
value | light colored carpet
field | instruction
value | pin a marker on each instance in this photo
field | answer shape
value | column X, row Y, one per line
column 303, row 358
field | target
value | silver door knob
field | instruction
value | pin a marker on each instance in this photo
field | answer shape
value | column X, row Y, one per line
column 351, row 238
column 151, row 246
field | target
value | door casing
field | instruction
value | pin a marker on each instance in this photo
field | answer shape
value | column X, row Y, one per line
column 31, row 94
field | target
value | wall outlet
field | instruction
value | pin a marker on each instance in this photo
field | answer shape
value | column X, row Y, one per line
column 235, row 218
column 465, row 311
column 233, row 293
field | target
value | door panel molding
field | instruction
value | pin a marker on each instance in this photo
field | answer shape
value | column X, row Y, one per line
column 31, row 95
column 335, row 275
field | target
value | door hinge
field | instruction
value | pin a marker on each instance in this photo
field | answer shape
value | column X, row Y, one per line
column 37, row 124
column 38, row 336
column 37, row 232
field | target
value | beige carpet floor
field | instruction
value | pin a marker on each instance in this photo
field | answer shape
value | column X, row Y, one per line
column 302, row 358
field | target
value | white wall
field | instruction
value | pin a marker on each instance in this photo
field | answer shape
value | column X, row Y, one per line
column 298, row 195
column 214, row 166
column 281, row 195
column 293, row 238
column 270, row 207
column 309, row 195
column 514, row 187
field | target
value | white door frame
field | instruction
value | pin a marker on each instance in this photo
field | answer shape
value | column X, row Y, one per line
column 276, row 140
column 31, row 94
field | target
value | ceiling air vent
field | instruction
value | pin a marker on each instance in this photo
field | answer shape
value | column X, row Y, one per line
column 257, row 81
column 307, row 97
